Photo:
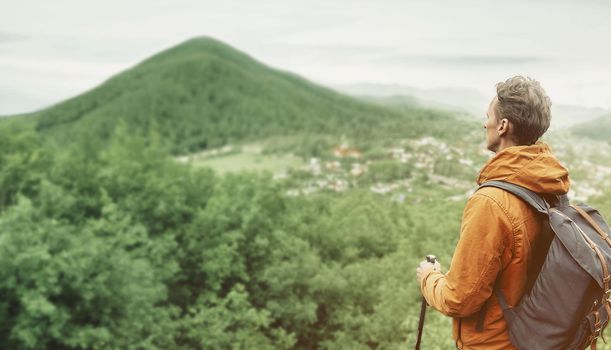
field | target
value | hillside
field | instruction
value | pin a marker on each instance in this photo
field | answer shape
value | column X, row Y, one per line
column 598, row 129
column 203, row 93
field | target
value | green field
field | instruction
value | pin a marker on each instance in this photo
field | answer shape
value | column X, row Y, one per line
column 251, row 162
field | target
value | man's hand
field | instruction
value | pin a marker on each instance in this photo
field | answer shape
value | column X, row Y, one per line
column 425, row 267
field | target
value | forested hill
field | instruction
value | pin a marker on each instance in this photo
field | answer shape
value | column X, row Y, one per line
column 598, row 129
column 203, row 93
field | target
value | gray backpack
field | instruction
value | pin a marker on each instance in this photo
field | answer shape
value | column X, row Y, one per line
column 568, row 304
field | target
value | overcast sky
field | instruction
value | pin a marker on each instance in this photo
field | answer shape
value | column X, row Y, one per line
column 52, row 50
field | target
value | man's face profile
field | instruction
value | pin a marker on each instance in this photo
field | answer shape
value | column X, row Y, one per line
column 491, row 125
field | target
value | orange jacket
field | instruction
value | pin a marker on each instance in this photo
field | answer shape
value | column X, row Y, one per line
column 498, row 240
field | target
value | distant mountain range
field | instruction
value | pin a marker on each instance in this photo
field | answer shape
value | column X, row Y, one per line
column 469, row 101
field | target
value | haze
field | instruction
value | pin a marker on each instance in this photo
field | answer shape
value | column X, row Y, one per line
column 50, row 51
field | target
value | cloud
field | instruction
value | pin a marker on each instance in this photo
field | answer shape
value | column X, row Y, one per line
column 343, row 49
column 6, row 37
column 393, row 55
column 460, row 60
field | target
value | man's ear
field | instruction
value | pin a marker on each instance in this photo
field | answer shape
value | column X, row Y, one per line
column 504, row 127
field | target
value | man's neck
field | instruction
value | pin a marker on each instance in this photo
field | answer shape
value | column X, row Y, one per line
column 504, row 144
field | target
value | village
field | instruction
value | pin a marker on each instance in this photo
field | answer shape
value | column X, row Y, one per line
column 426, row 160
column 419, row 155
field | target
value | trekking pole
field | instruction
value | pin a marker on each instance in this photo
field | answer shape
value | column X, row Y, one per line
column 431, row 259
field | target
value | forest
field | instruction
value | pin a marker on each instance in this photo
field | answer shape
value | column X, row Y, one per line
column 108, row 241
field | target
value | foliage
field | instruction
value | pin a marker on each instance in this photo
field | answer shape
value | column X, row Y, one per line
column 106, row 242
column 123, row 248
column 386, row 171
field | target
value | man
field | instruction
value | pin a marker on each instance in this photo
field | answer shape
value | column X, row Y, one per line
column 502, row 239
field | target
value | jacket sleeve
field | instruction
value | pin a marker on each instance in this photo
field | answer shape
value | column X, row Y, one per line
column 485, row 232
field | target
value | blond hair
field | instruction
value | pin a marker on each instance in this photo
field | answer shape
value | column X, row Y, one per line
column 526, row 105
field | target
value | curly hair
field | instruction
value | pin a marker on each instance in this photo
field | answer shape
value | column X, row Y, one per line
column 526, row 105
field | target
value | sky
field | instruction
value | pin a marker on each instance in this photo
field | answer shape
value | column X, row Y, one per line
column 54, row 50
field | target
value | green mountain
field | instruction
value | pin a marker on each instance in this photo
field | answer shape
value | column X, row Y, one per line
column 598, row 129
column 203, row 94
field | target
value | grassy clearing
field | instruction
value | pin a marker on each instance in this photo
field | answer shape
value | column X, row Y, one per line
column 242, row 161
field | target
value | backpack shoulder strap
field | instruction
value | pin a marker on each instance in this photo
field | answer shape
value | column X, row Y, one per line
column 535, row 201
column 530, row 197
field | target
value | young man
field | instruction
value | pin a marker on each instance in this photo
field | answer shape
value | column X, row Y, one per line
column 502, row 239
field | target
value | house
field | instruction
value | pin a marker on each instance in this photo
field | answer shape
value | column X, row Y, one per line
column 344, row 150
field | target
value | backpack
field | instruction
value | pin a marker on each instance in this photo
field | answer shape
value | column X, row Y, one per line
column 569, row 302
